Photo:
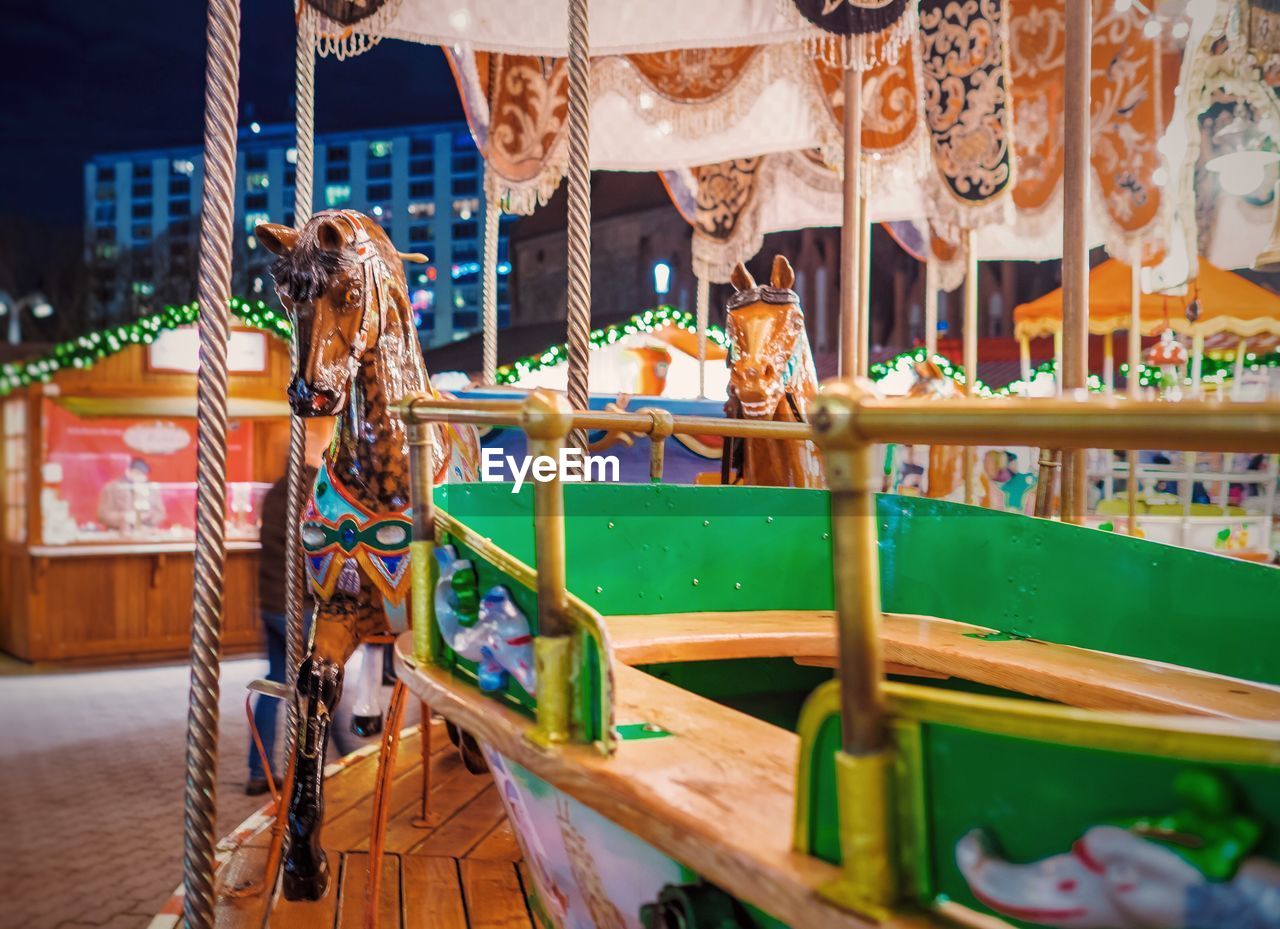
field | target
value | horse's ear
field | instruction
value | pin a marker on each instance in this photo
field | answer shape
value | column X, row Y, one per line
column 741, row 278
column 277, row 239
column 331, row 236
column 783, row 276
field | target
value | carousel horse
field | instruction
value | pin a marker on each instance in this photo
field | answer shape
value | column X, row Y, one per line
column 342, row 281
column 771, row 377
column 946, row 462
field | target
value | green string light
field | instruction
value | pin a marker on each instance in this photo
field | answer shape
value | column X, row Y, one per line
column 649, row 320
column 646, row 321
column 86, row 350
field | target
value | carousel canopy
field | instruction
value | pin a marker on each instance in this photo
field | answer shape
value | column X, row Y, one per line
column 1228, row 303
column 541, row 27
column 962, row 128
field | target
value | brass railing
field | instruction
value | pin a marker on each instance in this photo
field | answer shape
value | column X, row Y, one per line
column 547, row 420
column 846, row 422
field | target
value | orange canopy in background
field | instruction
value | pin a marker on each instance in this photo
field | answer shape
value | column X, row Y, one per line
column 1228, row 304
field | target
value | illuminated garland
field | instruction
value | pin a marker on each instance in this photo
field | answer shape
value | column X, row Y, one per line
column 86, row 350
column 910, row 358
column 647, row 321
column 1212, row 369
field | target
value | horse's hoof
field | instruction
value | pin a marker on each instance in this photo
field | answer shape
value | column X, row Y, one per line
column 305, row 885
column 365, row 726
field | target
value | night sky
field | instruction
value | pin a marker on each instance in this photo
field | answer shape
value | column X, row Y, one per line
column 82, row 77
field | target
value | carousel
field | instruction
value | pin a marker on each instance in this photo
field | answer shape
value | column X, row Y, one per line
column 777, row 696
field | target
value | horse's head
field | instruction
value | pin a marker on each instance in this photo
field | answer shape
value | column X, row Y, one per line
column 767, row 343
column 930, row 381
column 338, row 277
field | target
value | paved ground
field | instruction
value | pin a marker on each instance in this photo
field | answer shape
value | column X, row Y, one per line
column 92, row 767
column 91, row 790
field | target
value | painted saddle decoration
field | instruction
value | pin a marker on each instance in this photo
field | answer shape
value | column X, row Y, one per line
column 346, row 543
column 343, row 284
column 771, row 377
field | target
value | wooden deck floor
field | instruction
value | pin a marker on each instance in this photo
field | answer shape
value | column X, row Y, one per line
column 461, row 870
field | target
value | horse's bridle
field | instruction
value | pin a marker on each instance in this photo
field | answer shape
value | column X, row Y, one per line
column 374, row 274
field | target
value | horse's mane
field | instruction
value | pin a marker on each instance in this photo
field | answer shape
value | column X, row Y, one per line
column 304, row 272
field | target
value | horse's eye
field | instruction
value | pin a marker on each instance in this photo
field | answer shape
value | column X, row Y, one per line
column 352, row 297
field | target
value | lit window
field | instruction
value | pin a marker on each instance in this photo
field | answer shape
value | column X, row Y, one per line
column 379, row 149
column 15, row 470
column 291, row 155
column 464, row 208
column 251, row 220
column 183, row 166
column 257, row 180
column 422, row 209
column 336, row 195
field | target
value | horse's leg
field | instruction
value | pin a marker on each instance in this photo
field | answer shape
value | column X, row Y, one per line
column 366, row 719
column 306, row 872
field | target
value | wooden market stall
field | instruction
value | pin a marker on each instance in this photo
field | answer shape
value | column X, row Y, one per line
column 98, row 496
column 1233, row 315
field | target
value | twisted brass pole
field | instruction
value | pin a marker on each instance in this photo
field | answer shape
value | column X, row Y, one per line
column 305, row 117
column 851, row 226
column 579, row 192
column 216, row 222
column 304, row 147
column 492, row 212
column 1075, row 245
column 703, row 315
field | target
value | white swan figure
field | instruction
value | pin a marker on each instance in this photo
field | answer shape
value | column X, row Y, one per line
column 498, row 640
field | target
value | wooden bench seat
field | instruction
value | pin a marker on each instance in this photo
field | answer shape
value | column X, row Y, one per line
column 1062, row 673
column 717, row 795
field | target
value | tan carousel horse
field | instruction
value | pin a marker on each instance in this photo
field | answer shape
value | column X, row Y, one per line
column 343, row 284
column 771, row 377
column 946, row 462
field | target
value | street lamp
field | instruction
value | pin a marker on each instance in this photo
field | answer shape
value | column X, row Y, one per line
column 661, row 278
column 37, row 304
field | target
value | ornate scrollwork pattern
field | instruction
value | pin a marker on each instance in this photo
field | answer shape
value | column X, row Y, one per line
column 725, row 193
column 1128, row 114
column 527, row 112
column 967, row 101
column 694, row 75
column 890, row 101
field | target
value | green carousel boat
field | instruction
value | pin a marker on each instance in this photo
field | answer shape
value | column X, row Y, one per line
column 752, row 706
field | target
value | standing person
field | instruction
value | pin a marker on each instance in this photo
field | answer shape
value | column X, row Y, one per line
column 131, row 502
column 272, row 575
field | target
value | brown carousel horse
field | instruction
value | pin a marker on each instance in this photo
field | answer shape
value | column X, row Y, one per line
column 771, row 377
column 342, row 281
column 946, row 462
